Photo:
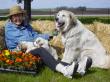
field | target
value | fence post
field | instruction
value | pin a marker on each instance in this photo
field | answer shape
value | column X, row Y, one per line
column 27, row 7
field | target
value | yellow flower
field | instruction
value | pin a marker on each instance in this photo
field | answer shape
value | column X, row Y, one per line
column 7, row 61
column 6, row 52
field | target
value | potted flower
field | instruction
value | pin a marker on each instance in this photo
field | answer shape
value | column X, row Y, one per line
column 18, row 61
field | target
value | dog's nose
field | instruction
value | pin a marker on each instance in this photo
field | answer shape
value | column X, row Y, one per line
column 56, row 19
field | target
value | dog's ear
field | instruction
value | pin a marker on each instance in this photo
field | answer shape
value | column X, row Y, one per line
column 73, row 18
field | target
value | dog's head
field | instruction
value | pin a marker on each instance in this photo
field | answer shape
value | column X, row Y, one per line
column 65, row 20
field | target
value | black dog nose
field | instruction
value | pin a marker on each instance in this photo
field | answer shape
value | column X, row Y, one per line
column 56, row 19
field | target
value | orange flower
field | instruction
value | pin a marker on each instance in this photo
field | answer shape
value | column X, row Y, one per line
column 23, row 55
column 30, row 56
column 3, row 58
column 19, row 53
column 18, row 60
column 13, row 53
column 7, row 61
column 34, row 58
column 30, row 62
column 26, row 59
column 1, row 55
column 10, row 62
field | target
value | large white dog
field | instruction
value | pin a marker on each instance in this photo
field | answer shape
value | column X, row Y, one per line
column 39, row 42
column 79, row 42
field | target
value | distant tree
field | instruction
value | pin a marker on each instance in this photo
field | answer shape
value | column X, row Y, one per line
column 62, row 8
column 27, row 7
column 82, row 9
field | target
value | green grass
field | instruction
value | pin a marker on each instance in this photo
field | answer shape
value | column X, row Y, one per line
column 47, row 75
column 91, row 19
column 83, row 19
column 51, row 18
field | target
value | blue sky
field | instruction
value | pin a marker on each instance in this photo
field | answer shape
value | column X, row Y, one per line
column 36, row 4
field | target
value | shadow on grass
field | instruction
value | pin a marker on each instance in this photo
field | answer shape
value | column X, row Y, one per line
column 87, row 73
column 41, row 68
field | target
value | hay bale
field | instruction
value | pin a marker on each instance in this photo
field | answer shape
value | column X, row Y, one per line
column 57, row 44
column 102, row 31
column 2, row 34
column 2, row 38
column 43, row 26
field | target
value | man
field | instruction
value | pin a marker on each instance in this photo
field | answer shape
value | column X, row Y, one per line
column 16, row 30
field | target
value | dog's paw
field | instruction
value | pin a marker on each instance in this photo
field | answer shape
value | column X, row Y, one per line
column 40, row 42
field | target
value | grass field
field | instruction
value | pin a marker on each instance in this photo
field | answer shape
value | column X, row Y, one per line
column 46, row 75
column 101, row 30
column 83, row 19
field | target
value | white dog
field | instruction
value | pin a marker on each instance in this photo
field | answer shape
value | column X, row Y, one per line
column 79, row 42
column 39, row 42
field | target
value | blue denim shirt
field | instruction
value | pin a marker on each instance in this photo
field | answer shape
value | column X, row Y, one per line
column 15, row 34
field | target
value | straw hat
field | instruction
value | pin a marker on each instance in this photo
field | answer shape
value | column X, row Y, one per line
column 16, row 10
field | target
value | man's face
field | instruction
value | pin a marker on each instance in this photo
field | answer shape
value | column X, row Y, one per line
column 17, row 19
